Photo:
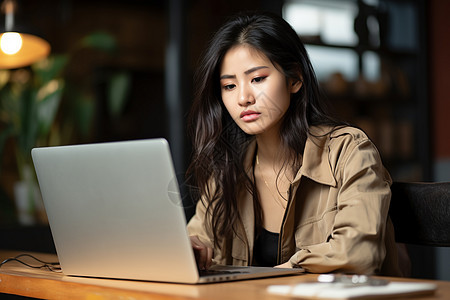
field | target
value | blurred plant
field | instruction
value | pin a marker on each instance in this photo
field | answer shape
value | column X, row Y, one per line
column 29, row 102
column 40, row 106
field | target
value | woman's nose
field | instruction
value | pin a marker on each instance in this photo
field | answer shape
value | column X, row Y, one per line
column 246, row 96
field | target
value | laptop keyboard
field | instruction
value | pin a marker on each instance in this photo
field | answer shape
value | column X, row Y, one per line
column 218, row 272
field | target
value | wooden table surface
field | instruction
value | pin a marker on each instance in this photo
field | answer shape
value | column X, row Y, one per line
column 20, row 280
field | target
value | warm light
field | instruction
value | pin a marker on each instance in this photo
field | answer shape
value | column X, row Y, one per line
column 33, row 49
column 19, row 50
column 10, row 43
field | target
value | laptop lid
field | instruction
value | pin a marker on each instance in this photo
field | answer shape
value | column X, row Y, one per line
column 115, row 211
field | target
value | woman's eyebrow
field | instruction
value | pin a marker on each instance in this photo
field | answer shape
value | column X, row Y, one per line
column 249, row 71
column 255, row 69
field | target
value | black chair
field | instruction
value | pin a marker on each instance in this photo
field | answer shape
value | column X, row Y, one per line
column 420, row 213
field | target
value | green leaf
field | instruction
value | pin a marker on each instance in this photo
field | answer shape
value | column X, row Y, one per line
column 48, row 100
column 10, row 106
column 27, row 126
column 118, row 88
column 101, row 41
column 49, row 68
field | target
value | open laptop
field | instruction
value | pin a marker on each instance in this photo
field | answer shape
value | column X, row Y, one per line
column 115, row 211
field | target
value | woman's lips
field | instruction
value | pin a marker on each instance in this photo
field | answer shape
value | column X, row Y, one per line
column 249, row 115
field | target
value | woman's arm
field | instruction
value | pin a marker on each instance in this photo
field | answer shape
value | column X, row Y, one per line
column 356, row 243
column 200, row 238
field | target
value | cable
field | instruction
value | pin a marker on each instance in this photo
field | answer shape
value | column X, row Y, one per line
column 51, row 266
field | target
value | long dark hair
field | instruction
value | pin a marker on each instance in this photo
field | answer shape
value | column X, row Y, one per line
column 219, row 145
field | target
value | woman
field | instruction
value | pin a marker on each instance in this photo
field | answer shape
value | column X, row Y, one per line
column 281, row 182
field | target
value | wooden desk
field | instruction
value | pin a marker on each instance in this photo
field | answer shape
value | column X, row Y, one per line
column 20, row 280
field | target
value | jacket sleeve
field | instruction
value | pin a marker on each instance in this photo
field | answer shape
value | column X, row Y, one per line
column 356, row 242
column 197, row 225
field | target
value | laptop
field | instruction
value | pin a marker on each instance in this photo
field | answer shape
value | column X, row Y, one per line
column 115, row 211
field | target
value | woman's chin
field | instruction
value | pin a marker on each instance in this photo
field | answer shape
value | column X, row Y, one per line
column 251, row 130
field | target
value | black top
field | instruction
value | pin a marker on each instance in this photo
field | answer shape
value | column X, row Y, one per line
column 265, row 250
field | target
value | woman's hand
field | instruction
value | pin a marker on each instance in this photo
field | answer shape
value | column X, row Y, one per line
column 285, row 265
column 203, row 254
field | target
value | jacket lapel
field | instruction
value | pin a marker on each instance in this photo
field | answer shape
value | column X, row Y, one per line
column 315, row 162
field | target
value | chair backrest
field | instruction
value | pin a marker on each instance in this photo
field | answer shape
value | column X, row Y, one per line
column 420, row 213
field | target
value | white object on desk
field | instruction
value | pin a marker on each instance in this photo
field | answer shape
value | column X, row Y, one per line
column 344, row 291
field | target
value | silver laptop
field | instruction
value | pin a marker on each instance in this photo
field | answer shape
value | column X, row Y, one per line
column 115, row 211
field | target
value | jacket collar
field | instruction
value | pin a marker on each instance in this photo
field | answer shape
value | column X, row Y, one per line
column 315, row 162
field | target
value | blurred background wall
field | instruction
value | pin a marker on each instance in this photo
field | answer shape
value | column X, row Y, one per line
column 125, row 71
column 439, row 57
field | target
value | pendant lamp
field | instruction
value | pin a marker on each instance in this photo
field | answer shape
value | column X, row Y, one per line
column 18, row 49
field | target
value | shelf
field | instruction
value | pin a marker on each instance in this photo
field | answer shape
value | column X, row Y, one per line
column 316, row 41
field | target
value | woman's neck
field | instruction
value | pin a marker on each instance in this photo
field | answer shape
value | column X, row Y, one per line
column 271, row 150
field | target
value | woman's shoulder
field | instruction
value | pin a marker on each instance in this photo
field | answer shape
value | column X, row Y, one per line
column 340, row 132
column 341, row 140
column 341, row 143
column 354, row 133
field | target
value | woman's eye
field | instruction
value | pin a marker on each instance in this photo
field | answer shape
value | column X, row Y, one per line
column 259, row 79
column 228, row 87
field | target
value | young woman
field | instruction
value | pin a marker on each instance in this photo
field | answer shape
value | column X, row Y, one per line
column 281, row 183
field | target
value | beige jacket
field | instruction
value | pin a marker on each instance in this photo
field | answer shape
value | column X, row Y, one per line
column 336, row 218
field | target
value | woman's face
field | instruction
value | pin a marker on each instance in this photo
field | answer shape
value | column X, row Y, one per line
column 254, row 91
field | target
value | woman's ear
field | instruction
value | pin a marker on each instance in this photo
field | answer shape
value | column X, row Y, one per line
column 295, row 85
